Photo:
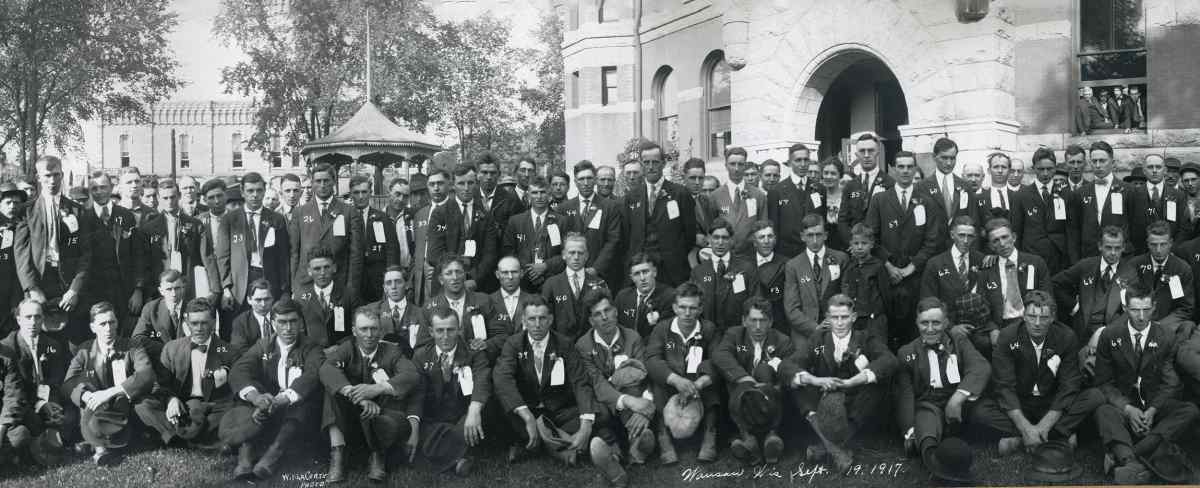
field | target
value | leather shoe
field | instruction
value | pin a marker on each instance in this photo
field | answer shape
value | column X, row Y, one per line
column 245, row 466
column 337, row 466
column 463, row 467
column 772, row 448
column 375, row 469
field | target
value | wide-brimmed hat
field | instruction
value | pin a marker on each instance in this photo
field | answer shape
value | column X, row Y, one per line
column 1138, row 174
column 755, row 409
column 507, row 180
column 831, row 417
column 1053, row 462
column 418, row 182
column 192, row 424
column 8, row 189
column 443, row 446
column 234, row 195
column 54, row 318
column 108, row 427
column 1169, row 463
column 631, row 373
column 950, row 461
column 556, row 440
column 238, row 426
column 682, row 417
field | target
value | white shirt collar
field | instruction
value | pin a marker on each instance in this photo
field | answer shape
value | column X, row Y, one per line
column 841, row 344
column 764, row 259
column 955, row 254
column 1105, row 181
column 1014, row 187
column 1150, row 187
column 600, row 340
column 1145, row 332
column 514, row 295
column 716, row 260
column 99, row 208
column 1104, row 265
column 538, row 344
column 366, row 356
column 797, row 180
column 327, row 290
column 534, row 214
column 461, row 204
column 910, row 190
column 283, row 348
column 450, row 352
column 1012, row 257
column 675, row 329
column 941, row 179
column 402, row 304
column 818, row 254
column 206, row 343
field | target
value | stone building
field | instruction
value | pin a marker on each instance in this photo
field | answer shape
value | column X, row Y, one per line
column 764, row 74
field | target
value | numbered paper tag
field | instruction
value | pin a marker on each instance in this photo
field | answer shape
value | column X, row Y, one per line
column 619, row 359
column 220, row 377
column 293, row 373
column 751, row 207
column 1030, row 278
column 72, row 223
column 1171, row 209
column 1176, row 287
column 380, row 376
column 6, row 239
column 43, row 393
column 774, row 363
column 269, row 239
column 118, row 371
column 469, row 248
column 413, row 331
column 835, row 271
column 466, row 382
column 878, row 189
column 555, row 237
column 963, row 200
column 558, row 374
column 339, row 226
column 861, row 362
column 477, row 327
column 201, row 279
column 380, row 236
column 694, row 356
column 177, row 261
column 1060, row 209
column 672, row 209
column 739, row 283
column 595, row 223
column 919, row 215
column 256, row 259
column 339, row 319
column 1115, row 204
column 952, row 370
column 816, row 199
column 1053, row 363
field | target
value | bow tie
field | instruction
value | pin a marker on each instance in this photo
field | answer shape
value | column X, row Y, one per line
column 202, row 347
column 936, row 346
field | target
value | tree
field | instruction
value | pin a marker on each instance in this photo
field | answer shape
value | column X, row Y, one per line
column 71, row 60
column 546, row 99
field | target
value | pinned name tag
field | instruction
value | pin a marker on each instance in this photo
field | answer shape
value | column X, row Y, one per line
column 1030, row 278
column 952, row 370
column 861, row 362
column 256, row 259
column 595, row 223
column 466, row 381
column 774, row 363
column 1171, row 210
column 339, row 226
column 1060, row 209
column 835, row 271
column 816, row 199
column 619, row 359
column 555, row 237
column 380, row 236
column 963, row 200
column 201, row 280
column 477, row 327
column 739, row 283
column 1176, row 287
column 694, row 356
column 339, row 319
column 269, row 239
column 1053, row 363
column 118, row 371
column 177, row 261
column 469, row 248
column 558, row 373
column 413, row 330
column 919, row 215
column 72, row 223
column 293, row 373
column 1115, row 204
column 6, row 238
column 751, row 207
column 672, row 210
column 380, row 376
column 43, row 393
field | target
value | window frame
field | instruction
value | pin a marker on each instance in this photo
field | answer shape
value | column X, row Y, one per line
column 607, row 72
column 238, row 157
column 185, row 157
column 1079, row 55
column 574, row 89
column 708, row 68
column 123, row 149
column 662, row 116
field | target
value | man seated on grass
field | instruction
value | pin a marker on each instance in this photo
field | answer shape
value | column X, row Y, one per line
column 756, row 357
column 846, row 366
column 193, row 394
column 32, row 405
column 679, row 362
column 105, row 376
column 370, row 389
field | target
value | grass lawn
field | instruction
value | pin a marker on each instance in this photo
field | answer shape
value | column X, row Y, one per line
column 880, row 464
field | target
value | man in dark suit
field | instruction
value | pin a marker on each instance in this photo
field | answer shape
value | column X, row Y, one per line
column 11, row 201
column 327, row 222
column 324, row 303
column 539, row 378
column 954, row 273
column 694, row 174
column 279, row 390
column 1075, row 159
column 1088, row 290
column 649, row 301
column 371, row 393
column 472, row 306
column 402, row 322
column 599, row 221
column 946, row 189
column 769, row 279
column 1102, row 202
column 457, row 385
column 119, row 269
column 1135, row 369
column 995, row 199
column 661, row 218
column 162, row 319
column 535, row 238
column 213, row 192
column 193, row 394
column 1035, row 370
column 841, row 359
column 290, row 193
column 253, row 324
column 793, row 199
column 1158, row 201
column 423, row 279
column 739, row 203
column 465, row 228
column 253, row 243
column 868, row 179
column 400, row 215
column 564, row 291
column 1040, row 214
column 379, row 243
column 1167, row 276
column 755, row 353
column 505, row 306
column 908, row 237
column 106, row 377
column 500, row 204
column 174, row 239
column 727, row 282
column 1004, row 284
column 36, row 365
column 812, row 277
column 54, row 250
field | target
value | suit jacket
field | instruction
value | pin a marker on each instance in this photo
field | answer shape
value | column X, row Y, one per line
column 504, row 205
column 89, row 373
column 74, row 248
column 155, row 327
column 380, row 250
column 443, row 401
column 912, row 379
column 421, row 288
column 447, row 236
column 675, row 236
column 475, row 304
column 1168, row 307
column 787, row 205
column 521, row 241
column 502, row 323
column 667, row 351
column 993, row 202
column 856, row 198
column 869, row 284
column 741, row 214
column 246, row 330
column 176, row 360
column 770, row 282
column 1040, row 228
column 309, row 230
column 1119, row 373
column 603, row 239
column 734, row 357
column 658, row 307
column 960, row 204
column 903, row 237
column 516, row 382
column 1171, row 207
column 991, row 289
column 208, row 252
column 721, row 304
column 319, row 322
column 803, row 298
column 345, row 366
column 1085, row 205
column 599, row 363
column 21, row 380
column 258, row 368
column 1016, row 369
column 188, row 232
column 234, row 246
column 570, row 319
column 119, row 255
column 818, row 358
column 398, row 330
column 1080, row 293
column 1189, row 251
column 941, row 277
column 706, row 212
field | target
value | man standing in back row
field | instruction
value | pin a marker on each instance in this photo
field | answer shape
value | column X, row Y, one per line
column 661, row 218
column 327, row 222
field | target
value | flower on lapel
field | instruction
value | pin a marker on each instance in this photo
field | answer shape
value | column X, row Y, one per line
column 1151, row 344
column 652, row 317
column 661, row 194
column 1087, row 200
column 770, row 350
column 670, row 345
column 1165, row 278
column 933, row 191
column 699, row 337
column 847, row 354
column 553, row 357
column 729, row 276
column 457, row 370
column 616, row 348
column 42, row 358
column 374, row 365
column 266, row 356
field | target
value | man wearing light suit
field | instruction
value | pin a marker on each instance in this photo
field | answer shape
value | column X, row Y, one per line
column 326, row 221
column 812, row 277
column 739, row 204
column 423, row 279
column 253, row 243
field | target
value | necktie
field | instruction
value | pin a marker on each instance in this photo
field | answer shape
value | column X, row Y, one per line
column 1154, row 195
column 322, row 206
column 253, row 231
column 537, row 226
column 203, row 348
column 904, row 199
column 962, row 268
column 866, row 182
column 575, row 284
column 641, row 308
column 1013, row 291
column 466, row 226
column 104, row 215
column 265, row 325
column 1045, row 194
column 1137, row 346
column 587, row 210
column 816, row 269
column 175, row 316
column 948, row 194
column 395, row 313
column 324, row 299
column 1003, row 198
column 446, row 370
column 720, row 269
column 1107, row 279
column 935, row 367
column 539, row 355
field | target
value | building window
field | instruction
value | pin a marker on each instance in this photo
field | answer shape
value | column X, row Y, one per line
column 1112, row 65
column 608, row 11
column 124, row 150
column 608, row 80
column 666, row 108
column 276, row 155
column 717, row 111
column 185, row 160
column 295, row 159
column 575, row 89
column 573, row 15
column 237, row 149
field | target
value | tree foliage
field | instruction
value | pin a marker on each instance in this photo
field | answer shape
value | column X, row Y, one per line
column 546, row 99
column 66, row 61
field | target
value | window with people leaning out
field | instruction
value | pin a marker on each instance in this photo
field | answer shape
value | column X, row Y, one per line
column 1112, row 67
column 1119, row 108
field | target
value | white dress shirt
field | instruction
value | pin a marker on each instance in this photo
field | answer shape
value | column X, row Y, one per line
column 510, row 302
column 761, row 260
column 199, row 361
column 1009, row 311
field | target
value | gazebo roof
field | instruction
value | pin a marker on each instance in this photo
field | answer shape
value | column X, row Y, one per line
column 369, row 128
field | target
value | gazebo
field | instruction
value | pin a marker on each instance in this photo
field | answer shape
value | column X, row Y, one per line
column 371, row 138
